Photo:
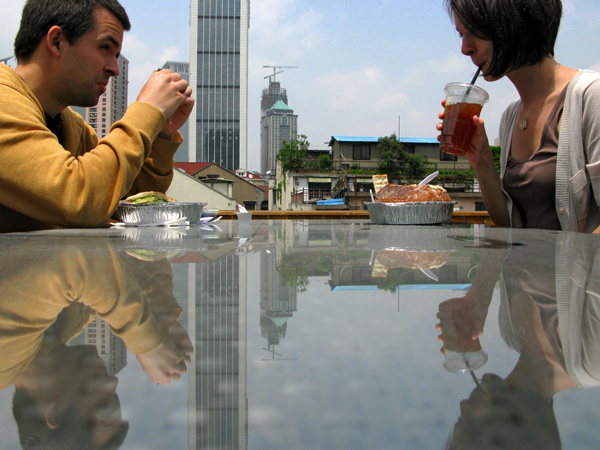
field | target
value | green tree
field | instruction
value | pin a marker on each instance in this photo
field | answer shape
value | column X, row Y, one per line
column 325, row 162
column 496, row 155
column 393, row 160
column 293, row 154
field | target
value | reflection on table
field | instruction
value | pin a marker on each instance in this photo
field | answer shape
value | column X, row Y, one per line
column 300, row 334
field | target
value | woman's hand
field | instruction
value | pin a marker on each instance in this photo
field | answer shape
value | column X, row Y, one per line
column 479, row 150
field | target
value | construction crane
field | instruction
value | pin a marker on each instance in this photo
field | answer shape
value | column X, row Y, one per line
column 275, row 72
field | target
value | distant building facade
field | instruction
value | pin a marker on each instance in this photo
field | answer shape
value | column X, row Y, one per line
column 218, row 132
column 111, row 105
column 182, row 68
column 279, row 124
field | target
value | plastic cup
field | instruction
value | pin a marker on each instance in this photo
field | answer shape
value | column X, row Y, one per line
column 463, row 101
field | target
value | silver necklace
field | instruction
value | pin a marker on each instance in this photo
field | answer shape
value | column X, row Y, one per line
column 523, row 123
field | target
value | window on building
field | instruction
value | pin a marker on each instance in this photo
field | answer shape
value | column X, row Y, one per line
column 361, row 152
column 447, row 156
column 480, row 206
column 409, row 149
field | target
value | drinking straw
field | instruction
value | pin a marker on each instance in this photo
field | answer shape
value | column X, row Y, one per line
column 372, row 198
column 469, row 367
column 471, row 84
column 476, row 75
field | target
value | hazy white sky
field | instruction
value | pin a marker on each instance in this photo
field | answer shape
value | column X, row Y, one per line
column 365, row 68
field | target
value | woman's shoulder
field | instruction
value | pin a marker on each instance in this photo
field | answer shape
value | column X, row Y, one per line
column 585, row 79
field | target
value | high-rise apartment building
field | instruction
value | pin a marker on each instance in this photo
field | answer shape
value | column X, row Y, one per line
column 182, row 68
column 218, row 130
column 278, row 124
column 111, row 105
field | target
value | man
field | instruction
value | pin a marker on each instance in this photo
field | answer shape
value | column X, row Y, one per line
column 55, row 172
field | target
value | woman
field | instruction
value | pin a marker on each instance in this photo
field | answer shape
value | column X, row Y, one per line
column 550, row 137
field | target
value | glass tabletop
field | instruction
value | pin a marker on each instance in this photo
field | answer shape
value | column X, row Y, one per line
column 292, row 334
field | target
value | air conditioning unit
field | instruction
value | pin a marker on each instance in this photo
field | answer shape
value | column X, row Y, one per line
column 345, row 166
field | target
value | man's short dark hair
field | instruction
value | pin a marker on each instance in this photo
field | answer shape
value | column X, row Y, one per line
column 522, row 32
column 73, row 16
column 73, row 433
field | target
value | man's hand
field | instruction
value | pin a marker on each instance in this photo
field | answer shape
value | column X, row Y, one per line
column 165, row 363
column 179, row 117
column 170, row 359
column 171, row 94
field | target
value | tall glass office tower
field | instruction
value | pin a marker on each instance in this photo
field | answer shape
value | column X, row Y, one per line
column 219, row 77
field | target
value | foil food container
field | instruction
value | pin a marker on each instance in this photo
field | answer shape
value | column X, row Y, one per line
column 158, row 213
column 410, row 213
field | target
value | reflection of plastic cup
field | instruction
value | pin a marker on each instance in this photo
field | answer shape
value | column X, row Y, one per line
column 464, row 362
column 463, row 101
column 461, row 352
column 244, row 217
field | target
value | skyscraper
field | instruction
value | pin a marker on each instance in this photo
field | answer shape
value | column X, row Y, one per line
column 182, row 68
column 219, row 76
column 278, row 124
column 111, row 105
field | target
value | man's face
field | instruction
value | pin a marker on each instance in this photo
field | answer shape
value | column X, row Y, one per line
column 90, row 61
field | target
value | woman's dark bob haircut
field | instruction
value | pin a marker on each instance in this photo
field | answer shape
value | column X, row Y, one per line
column 522, row 32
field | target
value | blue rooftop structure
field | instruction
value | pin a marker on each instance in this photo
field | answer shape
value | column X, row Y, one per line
column 405, row 287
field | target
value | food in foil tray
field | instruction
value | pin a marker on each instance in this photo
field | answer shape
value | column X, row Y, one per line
column 397, row 193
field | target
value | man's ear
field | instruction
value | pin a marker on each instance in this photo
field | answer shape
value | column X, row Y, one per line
column 53, row 415
column 54, row 40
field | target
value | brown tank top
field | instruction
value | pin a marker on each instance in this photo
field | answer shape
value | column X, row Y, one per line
column 531, row 183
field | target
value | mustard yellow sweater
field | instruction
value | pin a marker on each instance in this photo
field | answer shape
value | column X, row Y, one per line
column 43, row 280
column 78, row 184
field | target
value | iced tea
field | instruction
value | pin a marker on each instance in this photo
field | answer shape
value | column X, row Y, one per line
column 458, row 128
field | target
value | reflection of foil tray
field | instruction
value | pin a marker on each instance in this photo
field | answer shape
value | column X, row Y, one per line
column 148, row 213
column 162, row 239
column 416, row 238
column 410, row 213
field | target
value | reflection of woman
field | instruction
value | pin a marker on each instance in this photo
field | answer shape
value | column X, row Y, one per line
column 550, row 314
column 550, row 137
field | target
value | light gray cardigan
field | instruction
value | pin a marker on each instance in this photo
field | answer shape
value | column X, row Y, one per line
column 578, row 156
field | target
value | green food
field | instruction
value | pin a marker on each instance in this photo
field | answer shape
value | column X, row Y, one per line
column 149, row 199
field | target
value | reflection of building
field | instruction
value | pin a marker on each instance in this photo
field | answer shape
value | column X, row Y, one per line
column 359, row 273
column 216, row 314
column 219, row 77
column 111, row 105
column 278, row 300
column 111, row 348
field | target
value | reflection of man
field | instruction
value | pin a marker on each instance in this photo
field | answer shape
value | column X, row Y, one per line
column 55, row 170
column 550, row 314
column 75, row 283
column 65, row 399
column 51, row 288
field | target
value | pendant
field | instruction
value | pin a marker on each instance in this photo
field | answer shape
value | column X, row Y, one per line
column 523, row 123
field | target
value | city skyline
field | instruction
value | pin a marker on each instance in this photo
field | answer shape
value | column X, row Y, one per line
column 363, row 69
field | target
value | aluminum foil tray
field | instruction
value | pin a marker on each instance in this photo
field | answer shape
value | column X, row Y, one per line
column 158, row 213
column 410, row 213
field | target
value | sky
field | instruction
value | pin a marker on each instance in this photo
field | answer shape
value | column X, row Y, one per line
column 364, row 68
